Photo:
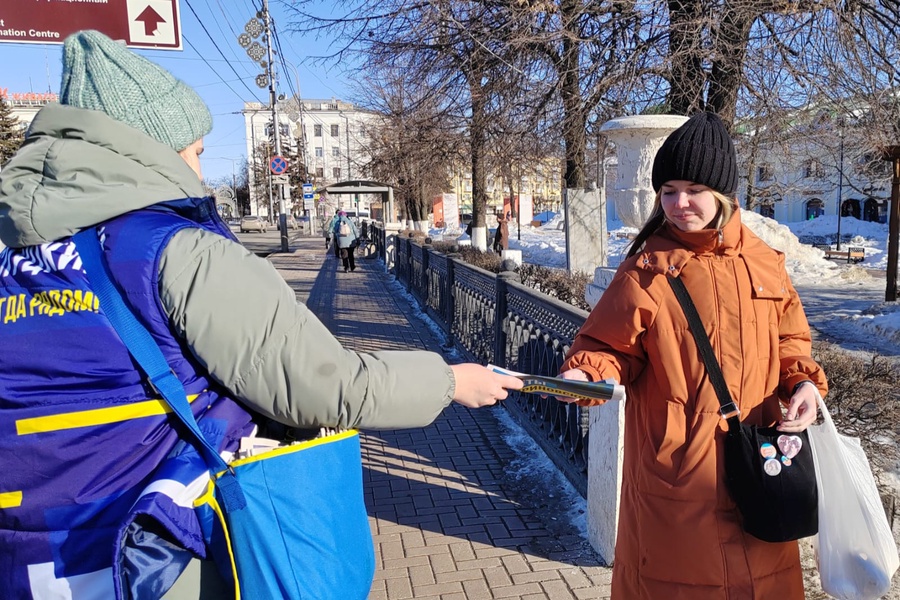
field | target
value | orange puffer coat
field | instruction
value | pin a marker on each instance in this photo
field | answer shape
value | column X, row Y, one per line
column 679, row 534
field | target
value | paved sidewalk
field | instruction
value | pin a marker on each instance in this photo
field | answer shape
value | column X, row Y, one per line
column 450, row 517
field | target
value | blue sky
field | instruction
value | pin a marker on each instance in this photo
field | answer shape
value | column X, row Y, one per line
column 36, row 68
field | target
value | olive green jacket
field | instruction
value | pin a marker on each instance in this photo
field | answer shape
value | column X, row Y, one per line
column 80, row 167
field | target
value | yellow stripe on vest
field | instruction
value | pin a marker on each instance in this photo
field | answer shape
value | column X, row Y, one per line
column 10, row 499
column 97, row 416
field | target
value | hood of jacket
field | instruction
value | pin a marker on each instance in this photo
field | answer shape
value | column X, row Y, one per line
column 78, row 168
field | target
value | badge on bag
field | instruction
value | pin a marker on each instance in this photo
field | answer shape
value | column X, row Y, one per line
column 790, row 445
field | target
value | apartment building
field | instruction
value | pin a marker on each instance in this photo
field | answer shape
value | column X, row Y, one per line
column 329, row 136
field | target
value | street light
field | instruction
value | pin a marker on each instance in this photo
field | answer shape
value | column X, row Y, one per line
column 840, row 209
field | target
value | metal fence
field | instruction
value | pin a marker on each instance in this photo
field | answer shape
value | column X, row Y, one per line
column 495, row 319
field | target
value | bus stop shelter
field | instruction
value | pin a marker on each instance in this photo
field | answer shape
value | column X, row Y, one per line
column 357, row 186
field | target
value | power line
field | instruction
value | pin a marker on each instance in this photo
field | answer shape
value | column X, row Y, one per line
column 234, row 34
column 222, row 54
column 188, row 42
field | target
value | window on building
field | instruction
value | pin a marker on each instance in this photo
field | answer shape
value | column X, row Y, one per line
column 813, row 170
column 335, row 151
column 336, row 172
column 335, row 130
column 320, row 172
column 764, row 173
column 320, row 151
column 767, row 210
column 317, row 130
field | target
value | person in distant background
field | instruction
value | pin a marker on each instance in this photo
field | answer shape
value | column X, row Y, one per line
column 329, row 231
column 346, row 237
column 501, row 237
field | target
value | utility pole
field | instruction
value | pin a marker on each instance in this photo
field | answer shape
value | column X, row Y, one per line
column 273, row 101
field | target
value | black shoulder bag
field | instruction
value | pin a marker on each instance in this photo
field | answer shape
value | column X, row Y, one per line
column 769, row 474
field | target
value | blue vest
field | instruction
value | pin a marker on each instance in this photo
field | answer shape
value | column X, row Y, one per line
column 97, row 488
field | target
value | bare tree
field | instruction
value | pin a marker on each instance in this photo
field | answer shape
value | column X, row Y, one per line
column 454, row 48
column 414, row 144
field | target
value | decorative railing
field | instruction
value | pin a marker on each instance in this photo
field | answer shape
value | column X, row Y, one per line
column 495, row 319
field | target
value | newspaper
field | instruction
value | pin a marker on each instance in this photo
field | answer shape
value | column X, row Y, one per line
column 556, row 386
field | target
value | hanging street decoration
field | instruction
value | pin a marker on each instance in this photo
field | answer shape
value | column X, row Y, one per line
column 254, row 27
column 256, row 52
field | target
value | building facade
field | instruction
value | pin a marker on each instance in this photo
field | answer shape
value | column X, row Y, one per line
column 819, row 171
column 329, row 138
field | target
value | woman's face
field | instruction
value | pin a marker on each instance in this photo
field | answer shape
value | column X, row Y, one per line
column 689, row 206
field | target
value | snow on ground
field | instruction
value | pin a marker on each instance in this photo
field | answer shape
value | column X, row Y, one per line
column 843, row 301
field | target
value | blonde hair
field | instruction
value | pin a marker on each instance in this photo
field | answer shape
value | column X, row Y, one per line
column 727, row 206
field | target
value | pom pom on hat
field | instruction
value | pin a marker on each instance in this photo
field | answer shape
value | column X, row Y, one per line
column 701, row 151
column 101, row 74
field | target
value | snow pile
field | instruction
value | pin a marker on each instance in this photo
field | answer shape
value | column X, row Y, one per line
column 805, row 264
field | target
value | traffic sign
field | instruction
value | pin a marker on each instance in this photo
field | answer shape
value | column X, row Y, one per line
column 139, row 23
column 280, row 179
column 278, row 165
column 307, row 191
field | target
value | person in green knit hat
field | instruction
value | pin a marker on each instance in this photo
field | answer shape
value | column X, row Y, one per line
column 120, row 152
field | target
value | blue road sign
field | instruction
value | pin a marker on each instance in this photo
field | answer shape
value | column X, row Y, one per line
column 307, row 191
column 278, row 165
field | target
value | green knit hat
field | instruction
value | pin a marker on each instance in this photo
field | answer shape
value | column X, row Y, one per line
column 101, row 74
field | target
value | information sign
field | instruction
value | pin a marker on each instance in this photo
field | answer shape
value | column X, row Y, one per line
column 139, row 23
column 307, row 191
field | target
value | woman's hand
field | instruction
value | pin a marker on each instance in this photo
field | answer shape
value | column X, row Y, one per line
column 477, row 386
column 802, row 410
column 575, row 375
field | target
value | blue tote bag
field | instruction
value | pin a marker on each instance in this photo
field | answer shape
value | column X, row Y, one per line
column 287, row 523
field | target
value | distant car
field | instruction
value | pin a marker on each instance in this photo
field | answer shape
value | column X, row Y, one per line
column 251, row 223
column 292, row 223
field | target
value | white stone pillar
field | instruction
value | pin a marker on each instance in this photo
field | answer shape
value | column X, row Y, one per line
column 390, row 234
column 586, row 230
column 605, row 447
column 636, row 139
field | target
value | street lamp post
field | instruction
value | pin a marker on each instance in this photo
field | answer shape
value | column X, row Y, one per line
column 840, row 198
column 893, row 154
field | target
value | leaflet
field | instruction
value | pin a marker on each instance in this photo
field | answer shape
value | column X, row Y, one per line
column 556, row 386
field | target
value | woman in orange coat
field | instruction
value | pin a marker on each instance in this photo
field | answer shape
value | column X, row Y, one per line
column 679, row 534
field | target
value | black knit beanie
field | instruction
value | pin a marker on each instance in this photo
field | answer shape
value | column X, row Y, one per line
column 700, row 151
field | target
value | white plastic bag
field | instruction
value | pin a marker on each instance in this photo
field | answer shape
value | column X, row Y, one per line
column 856, row 550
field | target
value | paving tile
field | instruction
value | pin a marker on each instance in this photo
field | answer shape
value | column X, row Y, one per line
column 447, row 522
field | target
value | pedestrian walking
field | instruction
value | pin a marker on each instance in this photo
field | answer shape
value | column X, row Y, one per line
column 89, row 505
column 346, row 237
column 680, row 534
column 329, row 229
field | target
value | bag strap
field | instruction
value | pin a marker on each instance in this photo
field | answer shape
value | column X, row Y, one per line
column 146, row 352
column 728, row 409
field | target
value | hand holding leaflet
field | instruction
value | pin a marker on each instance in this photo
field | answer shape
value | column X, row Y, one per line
column 581, row 390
